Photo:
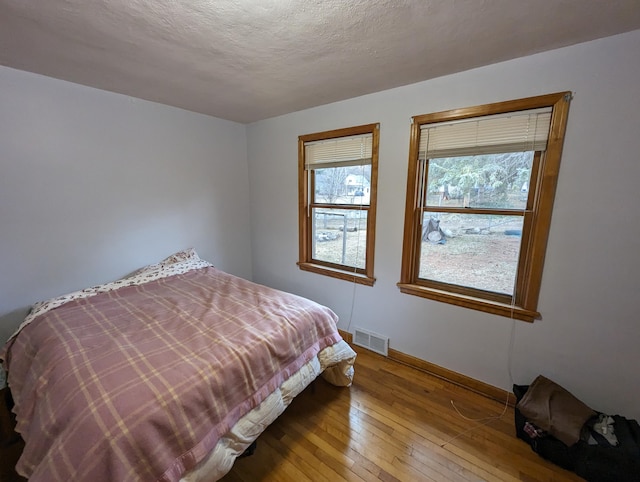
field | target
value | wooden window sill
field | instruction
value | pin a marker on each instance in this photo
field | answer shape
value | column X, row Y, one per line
column 336, row 273
column 494, row 307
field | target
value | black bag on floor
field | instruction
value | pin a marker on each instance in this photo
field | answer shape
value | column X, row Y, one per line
column 595, row 463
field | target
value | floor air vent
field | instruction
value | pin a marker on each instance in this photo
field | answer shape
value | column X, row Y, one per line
column 372, row 341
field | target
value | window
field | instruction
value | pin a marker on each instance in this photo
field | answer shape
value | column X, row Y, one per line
column 337, row 177
column 480, row 189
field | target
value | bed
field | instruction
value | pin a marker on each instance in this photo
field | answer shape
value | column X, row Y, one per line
column 168, row 374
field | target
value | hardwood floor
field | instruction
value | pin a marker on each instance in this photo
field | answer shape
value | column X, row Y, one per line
column 394, row 424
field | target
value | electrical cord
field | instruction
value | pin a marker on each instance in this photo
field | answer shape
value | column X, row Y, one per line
column 486, row 420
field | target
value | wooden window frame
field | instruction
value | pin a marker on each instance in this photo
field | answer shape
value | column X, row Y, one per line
column 537, row 218
column 305, row 206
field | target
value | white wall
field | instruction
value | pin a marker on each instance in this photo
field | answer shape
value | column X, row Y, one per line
column 589, row 337
column 95, row 184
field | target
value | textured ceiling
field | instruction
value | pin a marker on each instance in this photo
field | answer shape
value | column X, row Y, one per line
column 246, row 60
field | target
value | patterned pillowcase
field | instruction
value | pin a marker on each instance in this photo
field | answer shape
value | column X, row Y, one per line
column 185, row 255
column 179, row 257
column 162, row 270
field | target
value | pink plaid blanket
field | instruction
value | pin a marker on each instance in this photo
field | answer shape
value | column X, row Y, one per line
column 139, row 383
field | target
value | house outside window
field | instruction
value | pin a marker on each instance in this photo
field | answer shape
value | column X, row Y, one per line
column 337, row 177
column 480, row 190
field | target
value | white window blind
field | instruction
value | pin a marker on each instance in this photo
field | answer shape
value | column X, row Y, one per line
column 511, row 132
column 339, row 152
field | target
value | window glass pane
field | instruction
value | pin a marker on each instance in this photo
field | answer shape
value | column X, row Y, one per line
column 471, row 250
column 343, row 185
column 340, row 236
column 498, row 181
